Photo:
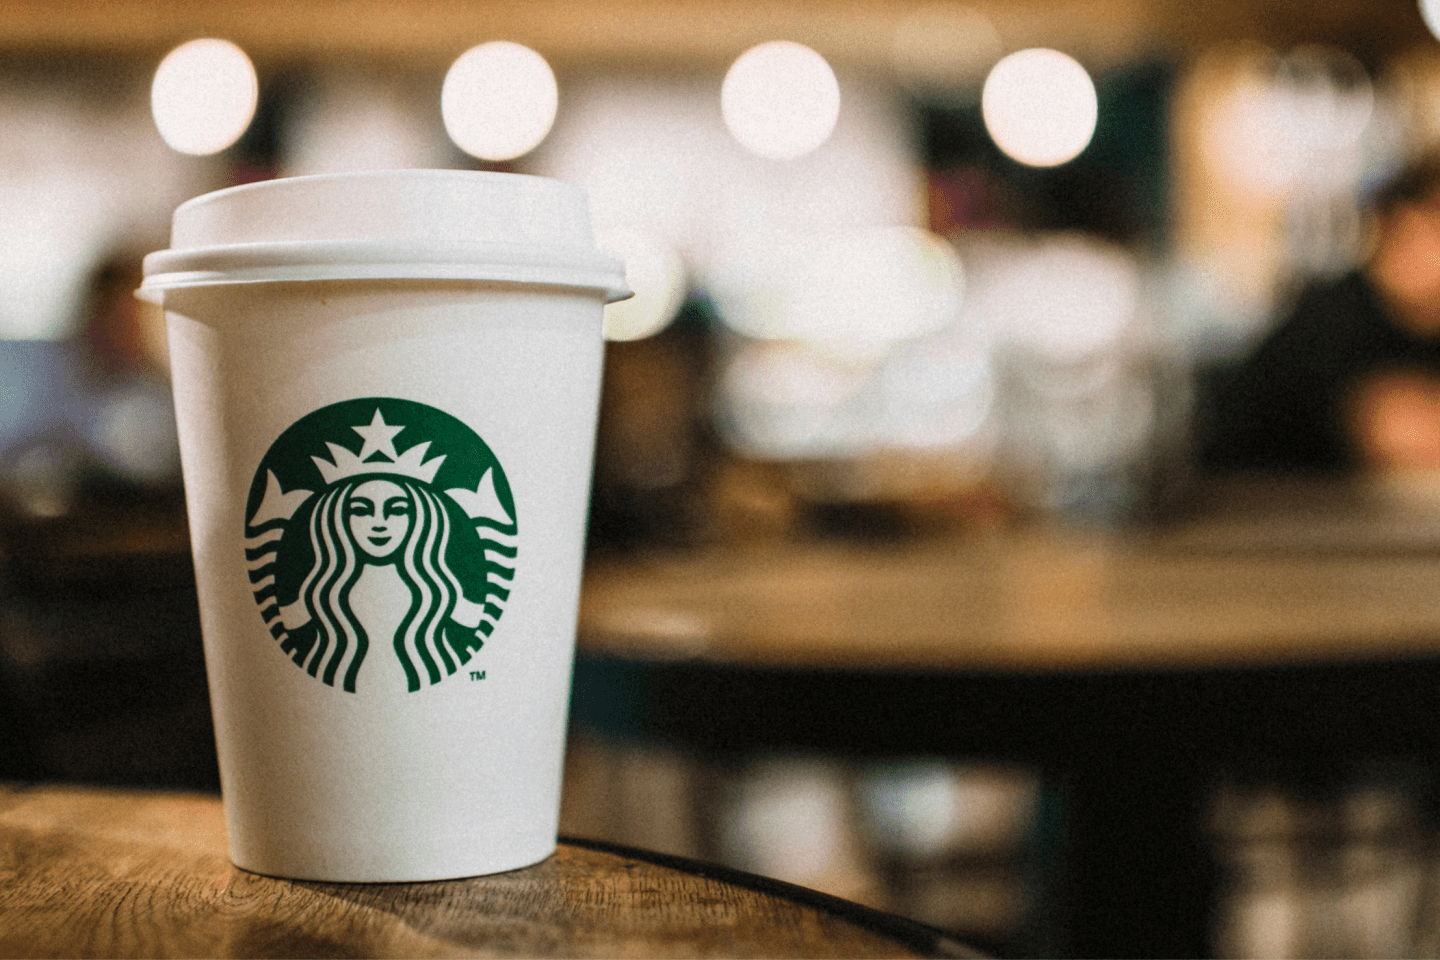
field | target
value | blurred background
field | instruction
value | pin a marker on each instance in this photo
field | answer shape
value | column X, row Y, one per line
column 904, row 269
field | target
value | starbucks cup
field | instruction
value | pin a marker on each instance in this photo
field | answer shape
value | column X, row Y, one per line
column 386, row 386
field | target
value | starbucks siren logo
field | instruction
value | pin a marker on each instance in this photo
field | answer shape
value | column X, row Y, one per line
column 380, row 528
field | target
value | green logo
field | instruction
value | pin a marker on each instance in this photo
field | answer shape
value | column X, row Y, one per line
column 380, row 528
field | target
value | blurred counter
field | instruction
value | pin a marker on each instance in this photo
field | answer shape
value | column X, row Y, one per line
column 1276, row 634
column 1264, row 581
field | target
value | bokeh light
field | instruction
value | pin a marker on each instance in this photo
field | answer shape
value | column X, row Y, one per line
column 937, row 392
column 1065, row 299
column 784, row 399
column 655, row 273
column 780, row 100
column 1292, row 122
column 203, row 96
column 499, row 100
column 1040, row 107
column 1430, row 10
column 856, row 293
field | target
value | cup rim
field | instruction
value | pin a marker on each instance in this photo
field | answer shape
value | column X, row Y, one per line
column 310, row 260
column 369, row 245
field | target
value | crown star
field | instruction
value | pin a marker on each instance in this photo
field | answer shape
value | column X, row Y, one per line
column 379, row 439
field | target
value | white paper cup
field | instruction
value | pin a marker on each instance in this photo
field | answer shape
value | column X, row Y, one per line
column 386, row 386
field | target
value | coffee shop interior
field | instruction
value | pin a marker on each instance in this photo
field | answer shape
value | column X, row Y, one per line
column 918, row 569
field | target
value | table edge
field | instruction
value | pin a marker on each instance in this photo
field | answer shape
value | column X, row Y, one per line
column 922, row 938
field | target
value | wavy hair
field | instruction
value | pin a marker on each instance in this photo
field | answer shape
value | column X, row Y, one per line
column 341, row 642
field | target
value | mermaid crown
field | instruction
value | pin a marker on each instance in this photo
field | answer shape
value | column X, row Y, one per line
column 346, row 463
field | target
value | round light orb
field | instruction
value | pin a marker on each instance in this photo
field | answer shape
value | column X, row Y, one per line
column 203, row 96
column 1040, row 107
column 780, row 100
column 1430, row 11
column 499, row 100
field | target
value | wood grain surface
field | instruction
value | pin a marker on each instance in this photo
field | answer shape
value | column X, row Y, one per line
column 97, row 873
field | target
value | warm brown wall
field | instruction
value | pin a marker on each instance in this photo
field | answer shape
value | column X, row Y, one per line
column 681, row 33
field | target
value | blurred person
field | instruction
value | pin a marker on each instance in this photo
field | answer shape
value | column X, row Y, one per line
column 1349, row 381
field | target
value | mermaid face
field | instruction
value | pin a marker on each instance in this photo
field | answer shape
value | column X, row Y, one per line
column 379, row 515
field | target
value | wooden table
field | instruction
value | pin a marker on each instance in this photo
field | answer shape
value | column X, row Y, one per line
column 1289, row 635
column 1037, row 601
column 94, row 873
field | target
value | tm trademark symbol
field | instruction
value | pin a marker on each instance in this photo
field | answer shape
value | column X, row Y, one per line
column 477, row 674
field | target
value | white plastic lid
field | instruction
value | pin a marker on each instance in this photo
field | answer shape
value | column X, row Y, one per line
column 389, row 224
